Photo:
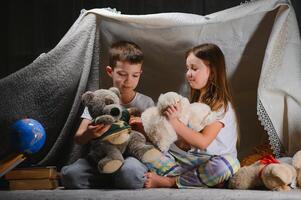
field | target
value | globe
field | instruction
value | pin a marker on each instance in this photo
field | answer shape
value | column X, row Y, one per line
column 28, row 135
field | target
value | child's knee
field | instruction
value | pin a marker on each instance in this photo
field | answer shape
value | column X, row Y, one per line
column 166, row 165
column 67, row 177
column 130, row 175
column 218, row 170
column 71, row 178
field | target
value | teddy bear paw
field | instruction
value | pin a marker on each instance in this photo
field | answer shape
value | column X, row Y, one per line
column 104, row 119
column 110, row 167
column 151, row 155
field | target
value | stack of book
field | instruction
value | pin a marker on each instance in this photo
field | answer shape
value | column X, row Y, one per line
column 36, row 178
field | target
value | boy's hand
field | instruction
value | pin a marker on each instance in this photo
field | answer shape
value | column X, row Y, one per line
column 136, row 125
column 135, row 120
column 95, row 131
column 134, row 111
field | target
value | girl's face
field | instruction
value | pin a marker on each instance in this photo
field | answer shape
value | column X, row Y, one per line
column 197, row 73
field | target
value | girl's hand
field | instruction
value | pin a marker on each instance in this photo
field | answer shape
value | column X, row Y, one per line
column 95, row 131
column 171, row 113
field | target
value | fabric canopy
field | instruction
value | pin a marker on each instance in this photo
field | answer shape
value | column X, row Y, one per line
column 260, row 40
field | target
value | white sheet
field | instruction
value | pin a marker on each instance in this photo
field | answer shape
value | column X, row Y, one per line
column 261, row 43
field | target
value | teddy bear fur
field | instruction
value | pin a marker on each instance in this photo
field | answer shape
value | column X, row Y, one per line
column 296, row 162
column 107, row 150
column 275, row 176
column 160, row 132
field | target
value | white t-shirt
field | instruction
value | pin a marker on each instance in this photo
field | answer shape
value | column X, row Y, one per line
column 140, row 101
column 225, row 141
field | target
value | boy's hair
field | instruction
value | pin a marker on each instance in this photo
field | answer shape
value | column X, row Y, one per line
column 125, row 51
column 217, row 93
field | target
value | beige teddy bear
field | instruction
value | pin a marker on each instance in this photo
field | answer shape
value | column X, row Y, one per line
column 158, row 129
column 296, row 162
column 269, row 173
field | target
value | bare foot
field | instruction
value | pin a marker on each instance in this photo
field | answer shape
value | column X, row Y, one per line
column 155, row 181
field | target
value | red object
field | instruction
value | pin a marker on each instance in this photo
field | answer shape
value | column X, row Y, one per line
column 268, row 159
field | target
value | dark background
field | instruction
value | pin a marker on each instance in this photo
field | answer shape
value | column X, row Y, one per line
column 32, row 27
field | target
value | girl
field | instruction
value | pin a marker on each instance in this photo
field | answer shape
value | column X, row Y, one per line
column 212, row 158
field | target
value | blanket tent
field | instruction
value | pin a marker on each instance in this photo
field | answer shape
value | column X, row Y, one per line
column 260, row 40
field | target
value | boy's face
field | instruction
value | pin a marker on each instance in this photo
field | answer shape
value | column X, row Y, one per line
column 125, row 75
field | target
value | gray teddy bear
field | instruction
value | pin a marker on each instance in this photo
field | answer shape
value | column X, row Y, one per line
column 107, row 150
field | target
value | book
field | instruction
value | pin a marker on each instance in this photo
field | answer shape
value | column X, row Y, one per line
column 10, row 162
column 48, row 172
column 33, row 184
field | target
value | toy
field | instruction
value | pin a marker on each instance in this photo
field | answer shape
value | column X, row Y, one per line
column 28, row 135
column 107, row 150
column 257, row 153
column 267, row 172
column 296, row 162
column 158, row 129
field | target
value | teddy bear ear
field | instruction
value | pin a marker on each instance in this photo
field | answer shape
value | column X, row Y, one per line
column 115, row 90
column 296, row 160
column 87, row 97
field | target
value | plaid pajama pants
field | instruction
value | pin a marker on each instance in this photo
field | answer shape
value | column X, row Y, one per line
column 196, row 169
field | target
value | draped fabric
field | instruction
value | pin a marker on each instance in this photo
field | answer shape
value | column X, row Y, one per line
column 260, row 40
column 49, row 91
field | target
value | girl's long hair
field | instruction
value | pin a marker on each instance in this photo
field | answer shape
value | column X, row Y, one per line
column 216, row 93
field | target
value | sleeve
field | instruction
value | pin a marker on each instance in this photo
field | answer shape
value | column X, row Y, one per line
column 225, row 116
column 151, row 102
column 223, row 121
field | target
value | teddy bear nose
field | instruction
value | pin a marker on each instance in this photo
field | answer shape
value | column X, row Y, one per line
column 115, row 112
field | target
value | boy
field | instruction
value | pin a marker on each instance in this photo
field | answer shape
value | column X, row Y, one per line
column 125, row 62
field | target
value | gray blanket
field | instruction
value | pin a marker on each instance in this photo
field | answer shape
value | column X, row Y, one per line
column 49, row 90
